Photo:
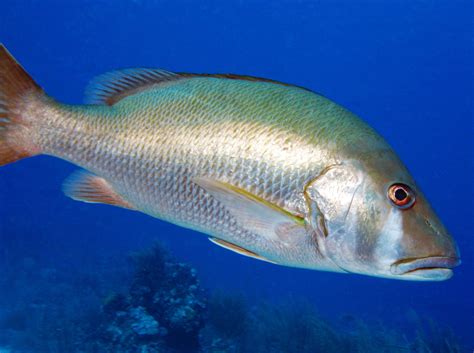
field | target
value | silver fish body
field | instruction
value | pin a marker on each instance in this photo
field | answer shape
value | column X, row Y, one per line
column 269, row 170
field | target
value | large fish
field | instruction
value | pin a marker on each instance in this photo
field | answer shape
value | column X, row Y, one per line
column 266, row 169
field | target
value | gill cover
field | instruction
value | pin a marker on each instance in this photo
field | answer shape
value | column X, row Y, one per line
column 330, row 196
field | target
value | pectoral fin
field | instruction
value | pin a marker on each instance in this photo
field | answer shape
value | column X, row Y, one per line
column 252, row 212
column 239, row 250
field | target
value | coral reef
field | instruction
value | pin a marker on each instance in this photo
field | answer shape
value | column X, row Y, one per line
column 162, row 308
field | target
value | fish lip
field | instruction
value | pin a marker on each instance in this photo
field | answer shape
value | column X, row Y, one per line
column 430, row 264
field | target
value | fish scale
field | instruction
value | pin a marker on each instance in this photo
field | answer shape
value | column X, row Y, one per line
column 201, row 129
column 173, row 147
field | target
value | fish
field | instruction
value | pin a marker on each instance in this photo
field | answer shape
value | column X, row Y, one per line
column 266, row 169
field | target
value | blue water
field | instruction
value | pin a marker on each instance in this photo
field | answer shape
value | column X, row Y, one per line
column 406, row 67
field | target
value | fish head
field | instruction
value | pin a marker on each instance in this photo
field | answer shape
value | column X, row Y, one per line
column 371, row 218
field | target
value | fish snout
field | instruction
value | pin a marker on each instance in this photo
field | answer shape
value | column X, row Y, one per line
column 426, row 268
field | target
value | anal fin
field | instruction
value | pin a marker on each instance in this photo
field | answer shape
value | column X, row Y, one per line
column 239, row 250
column 87, row 187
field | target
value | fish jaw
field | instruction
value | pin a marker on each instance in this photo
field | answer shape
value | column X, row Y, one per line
column 433, row 268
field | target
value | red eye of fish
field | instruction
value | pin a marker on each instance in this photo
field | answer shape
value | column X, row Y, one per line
column 401, row 196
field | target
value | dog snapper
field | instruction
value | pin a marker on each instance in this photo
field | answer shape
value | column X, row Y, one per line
column 268, row 170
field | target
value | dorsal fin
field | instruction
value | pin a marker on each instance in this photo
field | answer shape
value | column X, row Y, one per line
column 113, row 86
column 87, row 187
column 238, row 249
column 243, row 78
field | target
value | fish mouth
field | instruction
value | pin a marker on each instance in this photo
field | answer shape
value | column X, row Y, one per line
column 432, row 268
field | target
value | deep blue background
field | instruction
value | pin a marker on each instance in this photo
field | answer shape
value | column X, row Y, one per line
column 406, row 67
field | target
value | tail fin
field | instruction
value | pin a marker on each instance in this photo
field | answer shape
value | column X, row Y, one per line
column 15, row 86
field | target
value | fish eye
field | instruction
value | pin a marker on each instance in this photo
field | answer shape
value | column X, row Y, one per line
column 401, row 196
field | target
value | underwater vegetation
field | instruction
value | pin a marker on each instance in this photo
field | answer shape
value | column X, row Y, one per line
column 156, row 304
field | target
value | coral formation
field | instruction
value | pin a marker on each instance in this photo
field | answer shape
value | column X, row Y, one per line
column 164, row 309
